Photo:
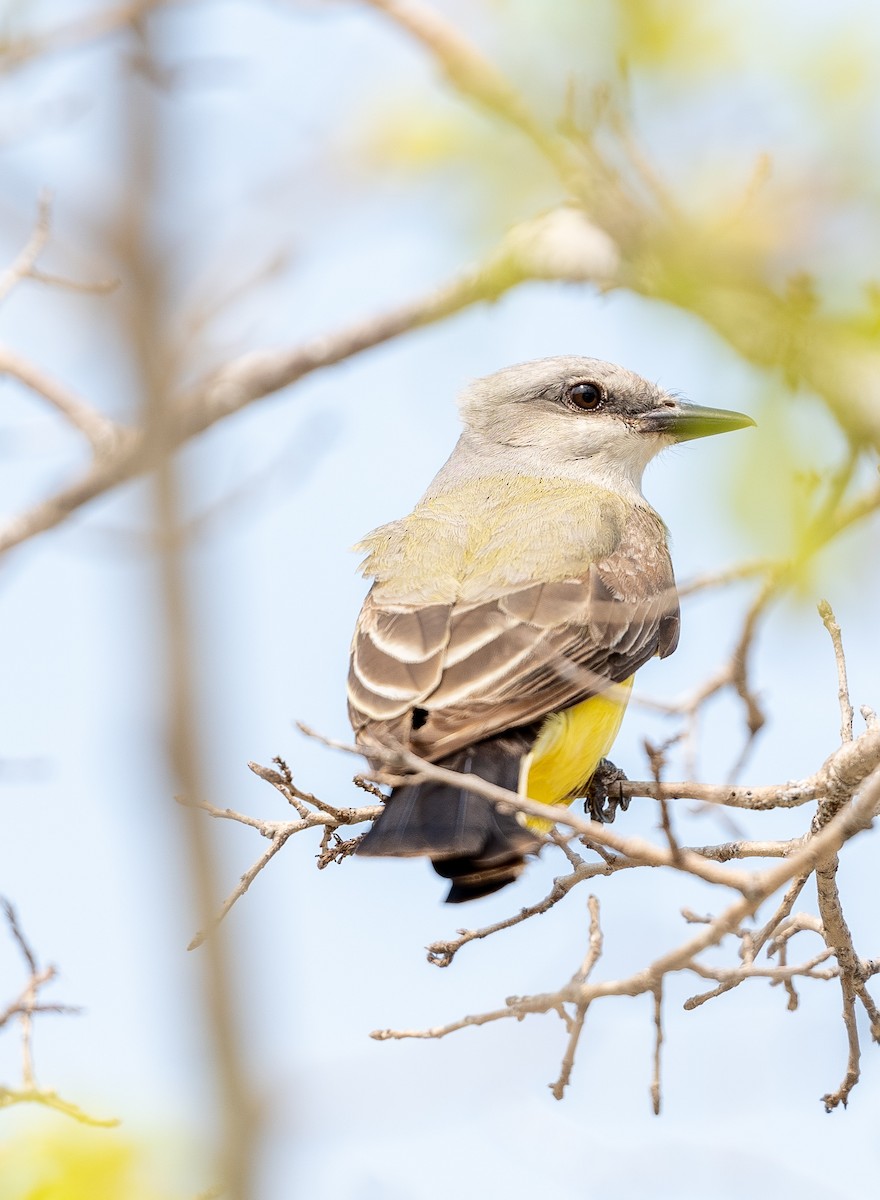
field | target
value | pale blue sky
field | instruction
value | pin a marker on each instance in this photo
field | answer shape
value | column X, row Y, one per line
column 263, row 159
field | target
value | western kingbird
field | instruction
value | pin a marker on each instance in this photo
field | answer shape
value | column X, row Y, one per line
column 513, row 606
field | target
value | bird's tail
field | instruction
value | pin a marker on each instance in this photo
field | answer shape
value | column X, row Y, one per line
column 469, row 842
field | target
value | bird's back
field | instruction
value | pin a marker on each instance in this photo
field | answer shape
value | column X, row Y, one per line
column 499, row 600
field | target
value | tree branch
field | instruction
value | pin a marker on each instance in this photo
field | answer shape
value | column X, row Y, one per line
column 23, row 263
column 819, row 846
column 24, row 1008
column 104, row 435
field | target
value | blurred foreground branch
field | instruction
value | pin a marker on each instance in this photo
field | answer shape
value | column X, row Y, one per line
column 23, row 1009
column 122, row 453
column 665, row 254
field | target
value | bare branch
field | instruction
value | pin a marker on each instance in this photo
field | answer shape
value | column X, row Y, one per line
column 313, row 813
column 104, row 435
column 12, row 919
column 852, row 978
column 758, row 940
column 22, row 265
column 577, row 1023
column 91, row 287
column 657, row 759
column 441, row 953
column 74, row 34
column 841, row 1096
column 594, row 952
column 441, row 1031
column 817, row 849
column 723, row 578
column 634, row 848
column 658, row 1042
column 846, row 709
column 839, row 775
column 49, row 1099
column 24, row 1008
column 243, row 885
column 854, row 768
column 843, row 771
column 777, row 974
column 475, row 77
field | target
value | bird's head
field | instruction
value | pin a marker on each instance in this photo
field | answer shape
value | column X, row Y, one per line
column 571, row 409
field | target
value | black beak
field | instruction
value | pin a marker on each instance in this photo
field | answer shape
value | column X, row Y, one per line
column 683, row 422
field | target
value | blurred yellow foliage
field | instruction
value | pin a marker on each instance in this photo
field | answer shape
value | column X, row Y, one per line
column 843, row 71
column 488, row 172
column 673, row 35
column 417, row 137
column 83, row 1164
column 783, row 484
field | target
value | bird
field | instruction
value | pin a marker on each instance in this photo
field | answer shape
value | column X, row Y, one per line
column 510, row 611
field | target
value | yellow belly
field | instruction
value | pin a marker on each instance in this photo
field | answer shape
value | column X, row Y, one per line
column 569, row 746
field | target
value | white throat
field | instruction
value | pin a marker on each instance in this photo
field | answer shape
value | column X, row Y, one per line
column 617, row 465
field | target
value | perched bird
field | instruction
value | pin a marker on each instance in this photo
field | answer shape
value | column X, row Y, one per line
column 513, row 606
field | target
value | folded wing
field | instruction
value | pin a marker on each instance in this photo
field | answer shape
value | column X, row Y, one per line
column 439, row 677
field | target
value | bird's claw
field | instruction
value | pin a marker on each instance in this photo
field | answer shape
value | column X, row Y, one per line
column 604, row 793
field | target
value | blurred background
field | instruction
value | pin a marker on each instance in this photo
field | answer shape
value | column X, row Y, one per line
column 256, row 174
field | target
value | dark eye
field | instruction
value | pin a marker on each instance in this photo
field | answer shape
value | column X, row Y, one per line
column 585, row 396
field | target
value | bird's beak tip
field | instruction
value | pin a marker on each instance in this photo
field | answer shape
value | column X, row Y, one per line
column 685, row 422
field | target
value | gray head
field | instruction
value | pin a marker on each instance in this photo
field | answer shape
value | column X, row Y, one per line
column 569, row 409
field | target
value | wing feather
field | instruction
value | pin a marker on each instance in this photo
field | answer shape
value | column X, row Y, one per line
column 387, row 675
column 473, row 628
column 548, row 605
column 409, row 634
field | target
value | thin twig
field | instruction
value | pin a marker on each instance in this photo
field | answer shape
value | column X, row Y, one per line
column 23, row 263
column 658, row 1042
column 635, row 848
column 74, row 34
column 819, row 846
column 92, row 287
column 846, row 709
column 25, row 1007
column 849, row 765
column 15, row 928
column 441, row 953
column 49, row 1099
column 841, row 1096
column 657, row 760
column 103, row 434
column 239, row 890
column 576, row 1027
column 319, row 815
column 758, row 940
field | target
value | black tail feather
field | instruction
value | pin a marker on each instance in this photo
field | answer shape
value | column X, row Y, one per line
column 467, row 839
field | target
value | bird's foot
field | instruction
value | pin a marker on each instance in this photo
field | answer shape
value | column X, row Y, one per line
column 604, row 793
